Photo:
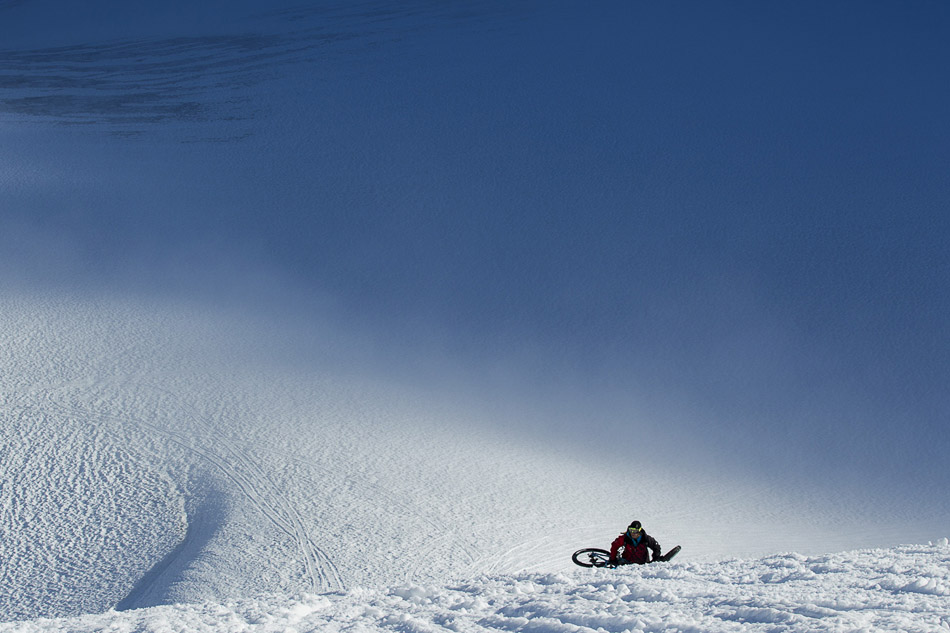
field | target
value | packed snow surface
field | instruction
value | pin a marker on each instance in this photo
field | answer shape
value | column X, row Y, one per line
column 898, row 589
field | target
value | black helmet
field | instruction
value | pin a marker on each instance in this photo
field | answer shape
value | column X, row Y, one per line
column 635, row 525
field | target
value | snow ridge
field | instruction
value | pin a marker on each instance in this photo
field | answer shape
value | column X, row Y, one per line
column 897, row 589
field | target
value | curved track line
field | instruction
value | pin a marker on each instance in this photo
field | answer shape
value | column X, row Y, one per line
column 246, row 475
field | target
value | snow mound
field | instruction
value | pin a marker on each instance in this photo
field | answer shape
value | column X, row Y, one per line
column 897, row 589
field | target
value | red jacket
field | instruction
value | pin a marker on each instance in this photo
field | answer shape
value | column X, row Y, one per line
column 635, row 552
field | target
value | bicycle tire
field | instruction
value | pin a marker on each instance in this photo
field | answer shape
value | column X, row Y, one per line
column 591, row 557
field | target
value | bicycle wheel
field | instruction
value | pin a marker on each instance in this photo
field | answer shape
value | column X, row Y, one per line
column 591, row 557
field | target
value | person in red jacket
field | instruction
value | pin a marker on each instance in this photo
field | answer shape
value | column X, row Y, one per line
column 636, row 545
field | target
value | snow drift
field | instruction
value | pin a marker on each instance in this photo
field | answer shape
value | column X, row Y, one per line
column 897, row 589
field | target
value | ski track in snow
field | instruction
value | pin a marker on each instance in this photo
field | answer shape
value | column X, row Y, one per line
column 239, row 469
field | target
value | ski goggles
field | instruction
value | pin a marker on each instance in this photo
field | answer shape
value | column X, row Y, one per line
column 634, row 530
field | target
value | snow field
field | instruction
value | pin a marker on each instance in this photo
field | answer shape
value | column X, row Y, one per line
column 897, row 589
column 155, row 456
column 71, row 502
column 152, row 457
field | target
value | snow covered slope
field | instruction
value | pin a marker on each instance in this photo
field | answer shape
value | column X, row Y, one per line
column 159, row 454
column 899, row 589
column 324, row 298
column 145, row 462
